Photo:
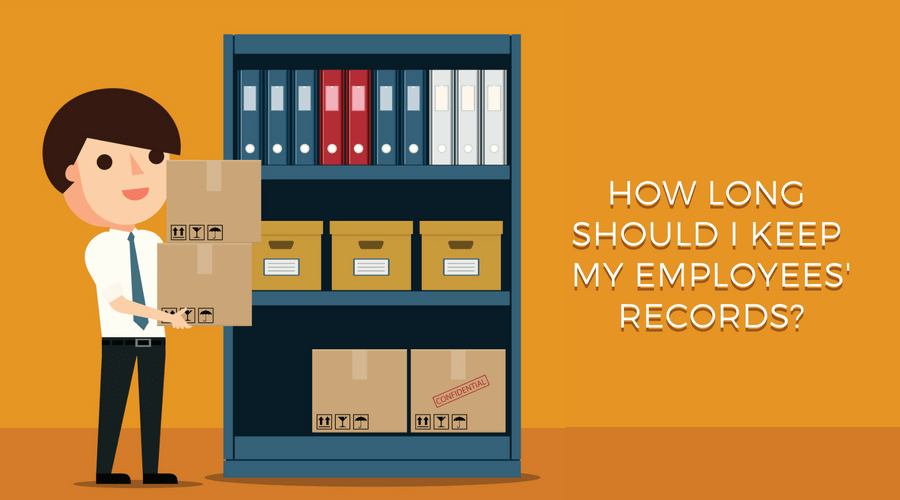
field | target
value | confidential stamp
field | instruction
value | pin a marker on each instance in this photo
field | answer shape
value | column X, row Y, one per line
column 461, row 391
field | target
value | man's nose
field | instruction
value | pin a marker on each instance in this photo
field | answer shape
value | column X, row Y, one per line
column 135, row 168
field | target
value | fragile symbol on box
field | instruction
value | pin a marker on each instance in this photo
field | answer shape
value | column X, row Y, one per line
column 323, row 422
column 214, row 232
column 197, row 232
column 443, row 422
column 189, row 316
column 179, row 232
column 343, row 422
column 459, row 422
column 361, row 422
column 423, row 422
column 206, row 315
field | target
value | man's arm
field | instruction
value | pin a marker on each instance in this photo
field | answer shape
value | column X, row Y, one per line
column 125, row 306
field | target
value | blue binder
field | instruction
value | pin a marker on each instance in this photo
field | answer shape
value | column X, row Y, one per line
column 249, row 105
column 306, row 117
column 413, row 149
column 386, row 125
column 278, row 150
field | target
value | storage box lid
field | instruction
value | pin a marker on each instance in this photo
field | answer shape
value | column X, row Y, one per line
column 371, row 228
column 291, row 228
column 461, row 228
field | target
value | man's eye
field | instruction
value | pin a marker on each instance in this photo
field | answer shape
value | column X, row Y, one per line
column 156, row 157
column 104, row 162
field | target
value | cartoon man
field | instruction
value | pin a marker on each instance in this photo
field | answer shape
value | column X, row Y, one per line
column 106, row 151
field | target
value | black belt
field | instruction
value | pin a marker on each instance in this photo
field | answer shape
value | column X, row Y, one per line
column 134, row 342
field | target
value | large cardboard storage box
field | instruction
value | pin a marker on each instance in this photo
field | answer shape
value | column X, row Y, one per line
column 462, row 255
column 359, row 391
column 213, row 201
column 371, row 255
column 211, row 280
column 289, row 256
column 458, row 391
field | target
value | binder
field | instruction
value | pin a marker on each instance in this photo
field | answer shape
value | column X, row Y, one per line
column 331, row 117
column 277, row 149
column 386, row 124
column 494, row 117
column 359, row 121
column 249, row 116
column 413, row 125
column 468, row 117
column 441, row 111
column 305, row 144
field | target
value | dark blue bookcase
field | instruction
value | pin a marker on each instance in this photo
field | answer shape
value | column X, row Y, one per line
column 268, row 367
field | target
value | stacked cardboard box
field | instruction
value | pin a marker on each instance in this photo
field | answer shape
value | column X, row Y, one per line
column 213, row 216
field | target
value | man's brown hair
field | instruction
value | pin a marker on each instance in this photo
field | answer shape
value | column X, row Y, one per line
column 112, row 115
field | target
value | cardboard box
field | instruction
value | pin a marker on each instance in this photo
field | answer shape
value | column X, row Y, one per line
column 359, row 391
column 371, row 255
column 461, row 255
column 289, row 256
column 213, row 201
column 458, row 391
column 212, row 280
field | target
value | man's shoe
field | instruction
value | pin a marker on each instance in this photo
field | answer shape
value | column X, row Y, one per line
column 113, row 479
column 160, row 479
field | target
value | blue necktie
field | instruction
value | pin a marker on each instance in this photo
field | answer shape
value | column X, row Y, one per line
column 137, row 289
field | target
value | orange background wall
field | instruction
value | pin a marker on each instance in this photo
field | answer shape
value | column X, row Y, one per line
column 610, row 91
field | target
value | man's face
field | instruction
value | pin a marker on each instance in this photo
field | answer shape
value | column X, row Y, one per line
column 115, row 184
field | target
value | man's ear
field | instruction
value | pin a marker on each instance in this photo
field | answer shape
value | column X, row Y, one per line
column 72, row 172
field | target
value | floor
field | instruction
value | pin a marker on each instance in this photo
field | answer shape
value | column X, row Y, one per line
column 616, row 463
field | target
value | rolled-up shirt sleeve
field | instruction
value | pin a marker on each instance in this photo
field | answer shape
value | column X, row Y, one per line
column 103, row 274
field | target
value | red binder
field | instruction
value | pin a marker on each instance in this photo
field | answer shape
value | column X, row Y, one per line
column 358, row 117
column 331, row 117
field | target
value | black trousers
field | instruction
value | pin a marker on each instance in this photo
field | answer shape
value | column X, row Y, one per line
column 115, row 381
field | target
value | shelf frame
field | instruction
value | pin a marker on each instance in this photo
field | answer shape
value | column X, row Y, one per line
column 385, row 172
column 507, row 448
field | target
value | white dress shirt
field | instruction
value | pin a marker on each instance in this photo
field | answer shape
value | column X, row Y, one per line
column 108, row 259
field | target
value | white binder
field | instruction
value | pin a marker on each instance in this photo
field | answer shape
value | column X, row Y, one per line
column 468, row 117
column 494, row 117
column 441, row 150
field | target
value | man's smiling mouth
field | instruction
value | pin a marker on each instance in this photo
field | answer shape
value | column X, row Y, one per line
column 136, row 194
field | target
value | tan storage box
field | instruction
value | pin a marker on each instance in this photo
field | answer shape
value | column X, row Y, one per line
column 462, row 255
column 359, row 391
column 213, row 201
column 371, row 255
column 211, row 280
column 458, row 391
column 289, row 256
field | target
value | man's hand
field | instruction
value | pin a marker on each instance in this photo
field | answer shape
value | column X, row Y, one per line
column 178, row 321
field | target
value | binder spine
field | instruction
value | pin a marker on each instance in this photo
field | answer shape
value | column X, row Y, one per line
column 386, row 118
column 494, row 117
column 414, row 123
column 249, row 105
column 442, row 111
column 305, row 108
column 331, row 117
column 358, row 117
column 278, row 149
column 468, row 117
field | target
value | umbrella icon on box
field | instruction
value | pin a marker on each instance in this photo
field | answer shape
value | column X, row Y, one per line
column 206, row 315
column 362, row 422
column 460, row 420
column 214, row 232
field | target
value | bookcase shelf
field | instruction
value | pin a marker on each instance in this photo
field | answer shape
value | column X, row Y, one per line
column 385, row 172
column 380, row 298
column 267, row 368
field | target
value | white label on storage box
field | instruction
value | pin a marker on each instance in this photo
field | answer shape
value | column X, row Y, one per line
column 460, row 267
column 281, row 267
column 371, row 267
